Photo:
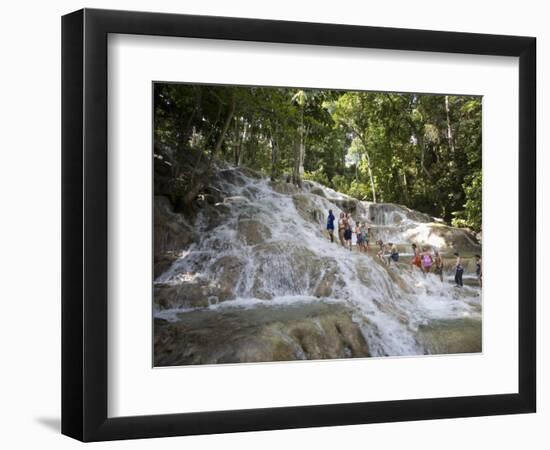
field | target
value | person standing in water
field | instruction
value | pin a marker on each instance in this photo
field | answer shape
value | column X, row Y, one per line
column 364, row 237
column 438, row 261
column 427, row 261
column 416, row 260
column 330, row 225
column 479, row 273
column 380, row 252
column 347, row 231
column 394, row 254
column 341, row 228
column 459, row 271
column 359, row 236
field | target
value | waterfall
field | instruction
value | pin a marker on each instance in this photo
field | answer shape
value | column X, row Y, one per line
column 267, row 245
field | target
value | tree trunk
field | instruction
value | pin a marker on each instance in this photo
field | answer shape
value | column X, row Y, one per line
column 244, row 139
column 449, row 129
column 371, row 177
column 296, row 178
column 302, row 145
column 201, row 183
column 274, row 154
column 369, row 167
column 237, row 142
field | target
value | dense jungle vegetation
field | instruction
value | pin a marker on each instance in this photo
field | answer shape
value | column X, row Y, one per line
column 419, row 150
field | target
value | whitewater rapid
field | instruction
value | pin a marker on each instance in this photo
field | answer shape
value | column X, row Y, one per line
column 389, row 304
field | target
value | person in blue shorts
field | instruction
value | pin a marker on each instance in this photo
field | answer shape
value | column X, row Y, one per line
column 394, row 254
column 348, row 231
column 330, row 225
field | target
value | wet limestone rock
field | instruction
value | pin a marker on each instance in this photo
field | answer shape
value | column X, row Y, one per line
column 191, row 294
column 451, row 336
column 252, row 232
column 286, row 267
column 283, row 187
column 301, row 331
column 393, row 214
column 226, row 271
column 251, row 173
column 308, row 209
column 172, row 234
column 191, row 291
column 444, row 237
column 328, row 282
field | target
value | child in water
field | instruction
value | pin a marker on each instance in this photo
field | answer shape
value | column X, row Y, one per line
column 459, row 270
column 330, row 225
column 479, row 273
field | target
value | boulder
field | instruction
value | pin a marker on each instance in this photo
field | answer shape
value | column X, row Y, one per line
column 172, row 234
column 226, row 273
column 252, row 232
column 393, row 214
column 451, row 336
column 444, row 237
column 283, row 268
column 250, row 173
column 327, row 283
column 232, row 176
column 301, row 331
column 308, row 209
column 283, row 187
column 318, row 191
column 192, row 294
column 191, row 291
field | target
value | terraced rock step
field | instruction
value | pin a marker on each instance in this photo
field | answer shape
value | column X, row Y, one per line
column 263, row 333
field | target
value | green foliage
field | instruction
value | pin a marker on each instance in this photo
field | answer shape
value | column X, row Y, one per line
column 359, row 190
column 423, row 151
column 471, row 215
column 340, row 183
column 317, row 175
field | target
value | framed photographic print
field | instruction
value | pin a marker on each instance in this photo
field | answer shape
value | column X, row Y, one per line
column 273, row 224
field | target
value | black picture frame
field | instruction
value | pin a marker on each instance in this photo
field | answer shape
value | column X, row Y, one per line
column 84, row 224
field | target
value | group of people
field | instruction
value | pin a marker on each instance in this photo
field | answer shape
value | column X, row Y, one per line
column 388, row 253
column 425, row 261
column 346, row 228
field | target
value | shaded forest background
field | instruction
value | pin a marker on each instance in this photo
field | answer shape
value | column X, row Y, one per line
column 419, row 150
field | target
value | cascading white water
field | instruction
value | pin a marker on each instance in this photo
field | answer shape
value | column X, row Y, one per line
column 277, row 246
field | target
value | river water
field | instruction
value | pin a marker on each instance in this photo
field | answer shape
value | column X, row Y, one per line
column 273, row 249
